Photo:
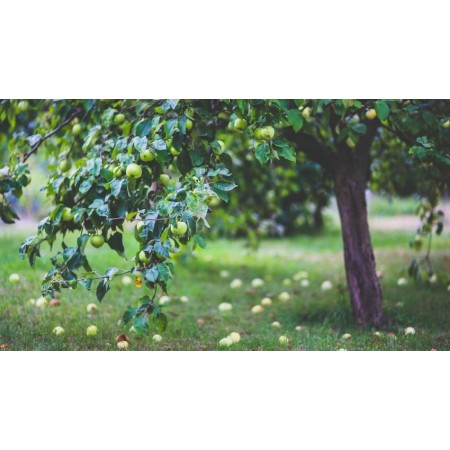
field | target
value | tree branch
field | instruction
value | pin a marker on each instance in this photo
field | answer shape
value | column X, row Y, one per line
column 50, row 134
column 312, row 148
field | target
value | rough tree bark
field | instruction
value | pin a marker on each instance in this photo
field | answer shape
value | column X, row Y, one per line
column 362, row 281
column 350, row 169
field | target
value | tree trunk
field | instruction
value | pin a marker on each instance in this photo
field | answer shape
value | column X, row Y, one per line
column 318, row 216
column 362, row 280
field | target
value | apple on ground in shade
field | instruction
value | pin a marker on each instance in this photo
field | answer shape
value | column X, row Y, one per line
column 346, row 336
column 283, row 340
column 304, row 283
column 184, row 299
column 410, row 330
column 257, row 282
column 287, row 282
column 91, row 330
column 14, row 278
column 164, row 300
column 157, row 338
column 236, row 283
column 299, row 328
column 226, row 342
column 224, row 273
column 91, row 308
column 266, row 301
column 58, row 330
column 235, row 337
column 54, row 302
column 326, row 285
column 284, row 296
column 257, row 309
column 200, row 322
column 122, row 345
column 41, row 302
column 402, row 281
column 276, row 324
column 225, row 307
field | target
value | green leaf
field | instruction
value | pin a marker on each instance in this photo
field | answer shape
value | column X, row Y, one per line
column 295, row 119
column 161, row 322
column 360, row 128
column 143, row 128
column 116, row 243
column 184, row 162
column 141, row 324
column 225, row 185
column 221, row 194
column 262, row 153
column 287, row 152
column 102, row 289
column 129, row 315
column 86, row 185
column 382, row 109
column 152, row 274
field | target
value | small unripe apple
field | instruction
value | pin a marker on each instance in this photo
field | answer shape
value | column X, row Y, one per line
column 267, row 133
column 117, row 172
column 257, row 309
column 304, row 283
column 350, row 142
column 164, row 179
column 65, row 165
column 54, row 302
column 240, row 124
column 371, row 114
column 184, row 299
column 188, row 124
column 180, row 229
column 122, row 345
column 235, row 337
column 346, row 336
column 41, row 302
column 147, row 156
column 224, row 273
column 283, row 340
column 257, row 134
column 276, row 324
column 226, row 342
column 58, row 330
column 257, row 282
column 306, row 113
column 23, row 106
column 266, row 301
column 67, row 215
column 410, row 330
column 91, row 330
column 236, row 283
column 299, row 328
column 402, row 281
column 134, row 171
column 224, row 307
column 174, row 151
column 97, row 240
column 76, row 129
column 14, row 278
column 157, row 338
column 284, row 296
column 287, row 282
column 164, row 300
column 119, row 119
column 326, row 286
column 91, row 308
column 222, row 146
column 143, row 257
column 446, row 124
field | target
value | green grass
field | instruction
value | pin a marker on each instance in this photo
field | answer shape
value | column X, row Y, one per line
column 381, row 206
column 325, row 315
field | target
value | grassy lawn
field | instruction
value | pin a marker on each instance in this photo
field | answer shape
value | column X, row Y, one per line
column 325, row 315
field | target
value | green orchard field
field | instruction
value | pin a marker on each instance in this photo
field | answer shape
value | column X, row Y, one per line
column 198, row 324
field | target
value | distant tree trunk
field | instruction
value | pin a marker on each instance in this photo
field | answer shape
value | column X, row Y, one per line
column 318, row 216
column 363, row 285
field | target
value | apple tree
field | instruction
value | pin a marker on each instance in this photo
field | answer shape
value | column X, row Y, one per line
column 158, row 164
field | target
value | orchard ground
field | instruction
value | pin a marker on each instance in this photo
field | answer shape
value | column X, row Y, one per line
column 325, row 315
